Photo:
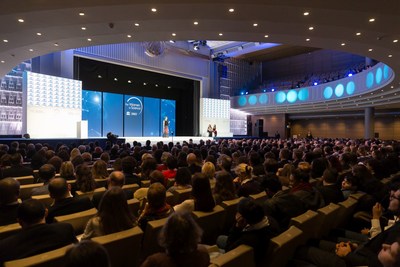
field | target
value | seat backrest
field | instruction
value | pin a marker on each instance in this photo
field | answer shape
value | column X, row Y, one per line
column 91, row 193
column 170, row 182
column 328, row 221
column 357, row 195
column 9, row 230
column 347, row 209
column 306, row 222
column 130, row 187
column 230, row 207
column 259, row 198
column 25, row 191
column 241, row 256
column 48, row 259
column 283, row 247
column 170, row 198
column 145, row 183
column 25, row 179
column 150, row 239
column 134, row 206
column 45, row 199
column 211, row 222
column 78, row 220
column 181, row 195
column 101, row 183
column 123, row 247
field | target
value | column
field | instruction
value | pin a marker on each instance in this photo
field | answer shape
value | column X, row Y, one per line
column 369, row 122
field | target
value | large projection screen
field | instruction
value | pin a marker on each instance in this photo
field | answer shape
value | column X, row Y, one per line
column 53, row 106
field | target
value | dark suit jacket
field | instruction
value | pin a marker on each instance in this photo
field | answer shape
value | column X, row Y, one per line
column 131, row 178
column 331, row 194
column 8, row 214
column 98, row 195
column 17, row 171
column 34, row 240
column 68, row 206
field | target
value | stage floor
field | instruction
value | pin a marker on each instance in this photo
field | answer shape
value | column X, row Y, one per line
column 166, row 140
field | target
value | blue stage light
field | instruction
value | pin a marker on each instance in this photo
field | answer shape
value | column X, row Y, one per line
column 350, row 74
column 272, row 90
column 247, row 93
column 242, row 93
column 315, row 83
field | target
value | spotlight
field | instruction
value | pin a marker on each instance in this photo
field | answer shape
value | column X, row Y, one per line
column 264, row 90
column 272, row 90
column 242, row 93
column 247, row 93
column 350, row 74
column 315, row 83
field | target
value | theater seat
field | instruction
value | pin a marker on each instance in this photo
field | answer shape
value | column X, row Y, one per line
column 123, row 247
column 259, row 198
column 91, row 193
column 241, row 256
column 211, row 222
column 347, row 209
column 130, row 187
column 150, row 239
column 145, row 183
column 230, row 207
column 328, row 220
column 25, row 179
column 307, row 222
column 181, row 195
column 45, row 199
column 48, row 259
column 9, row 230
column 25, row 191
column 134, row 206
column 78, row 220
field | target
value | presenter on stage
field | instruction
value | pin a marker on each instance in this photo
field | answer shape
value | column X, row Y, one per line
column 210, row 130
column 165, row 127
column 215, row 130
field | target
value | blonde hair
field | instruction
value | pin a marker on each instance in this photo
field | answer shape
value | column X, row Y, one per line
column 74, row 153
column 208, row 170
column 244, row 169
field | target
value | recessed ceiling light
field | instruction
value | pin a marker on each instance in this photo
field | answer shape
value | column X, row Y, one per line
column 137, row 24
column 21, row 20
column 266, row 36
column 173, row 34
column 129, row 81
column 308, row 39
column 231, row 10
column 116, row 79
column 172, row 41
column 89, row 39
column 392, row 86
column 55, row 44
column 390, row 55
column 129, row 36
column 343, row 44
column 306, row 13
column 5, row 40
column 220, row 34
column 169, row 87
column 156, row 85
column 99, row 76
column 395, row 41
column 83, row 28
column 370, row 50
column 371, row 20
column 153, row 10
column 311, row 28
column 2, row 61
column 196, row 23
column 38, row 33
column 144, row 83
column 31, row 50
column 255, row 24
column 358, row 33
column 81, row 14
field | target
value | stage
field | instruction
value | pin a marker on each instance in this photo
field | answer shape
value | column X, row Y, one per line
column 166, row 140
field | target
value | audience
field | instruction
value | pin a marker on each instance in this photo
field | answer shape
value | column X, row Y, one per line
column 67, row 170
column 224, row 188
column 16, row 169
column 87, row 253
column 84, row 179
column 99, row 170
column 46, row 173
column 9, row 192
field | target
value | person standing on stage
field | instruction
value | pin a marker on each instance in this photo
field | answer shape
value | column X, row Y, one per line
column 166, row 127
column 215, row 130
column 210, row 130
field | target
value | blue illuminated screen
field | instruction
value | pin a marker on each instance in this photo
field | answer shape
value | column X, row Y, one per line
column 91, row 111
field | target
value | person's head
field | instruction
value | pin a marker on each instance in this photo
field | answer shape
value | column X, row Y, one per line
column 394, row 204
column 148, row 165
column 99, row 169
column 298, row 176
column 156, row 177
column 59, row 188
column 156, row 196
column 84, row 178
column 47, row 172
column 9, row 191
column 224, row 185
column 56, row 161
column 31, row 212
column 225, row 162
column 128, row 164
column 16, row 159
column 389, row 255
column 183, row 176
column 114, row 212
column 172, row 163
column 330, row 176
column 208, row 170
column 250, row 211
column 243, row 171
column 116, row 178
column 87, row 157
column 201, row 192
column 74, row 153
column 271, row 165
column 105, row 157
column 87, row 253
column 191, row 158
column 180, row 234
column 67, row 170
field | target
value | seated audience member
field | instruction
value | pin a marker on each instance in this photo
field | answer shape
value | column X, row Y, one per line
column 46, row 173
column 113, row 215
column 84, row 179
column 329, row 189
column 116, row 178
column 99, row 170
column 64, row 202
column 97, row 152
column 149, row 164
column 244, row 181
column 284, row 173
column 193, row 163
column 349, row 186
column 16, row 169
column 87, row 253
column 141, row 193
column 256, row 164
column 183, row 180
column 106, row 158
column 9, row 192
column 389, row 256
column 170, row 172
column 180, row 238
column 156, row 207
column 202, row 199
column 36, row 236
column 67, row 170
column 208, row 170
column 128, row 168
column 224, row 163
column 224, row 188
column 74, row 153
column 56, row 162
column 87, row 158
column 252, row 228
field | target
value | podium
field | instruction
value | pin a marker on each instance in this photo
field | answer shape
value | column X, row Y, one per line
column 82, row 130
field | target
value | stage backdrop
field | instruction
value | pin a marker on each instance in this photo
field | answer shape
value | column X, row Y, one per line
column 126, row 115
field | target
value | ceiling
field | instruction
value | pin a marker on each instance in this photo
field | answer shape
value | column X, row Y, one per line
column 368, row 28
